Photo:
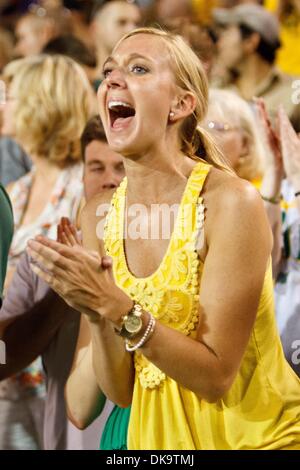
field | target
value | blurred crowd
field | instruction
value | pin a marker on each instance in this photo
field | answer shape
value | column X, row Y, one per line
column 54, row 157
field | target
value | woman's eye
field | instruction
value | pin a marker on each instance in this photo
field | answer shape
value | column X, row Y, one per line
column 106, row 72
column 139, row 69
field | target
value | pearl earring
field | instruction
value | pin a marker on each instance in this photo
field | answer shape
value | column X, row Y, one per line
column 171, row 115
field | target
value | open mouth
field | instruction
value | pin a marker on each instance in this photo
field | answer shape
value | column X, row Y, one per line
column 120, row 114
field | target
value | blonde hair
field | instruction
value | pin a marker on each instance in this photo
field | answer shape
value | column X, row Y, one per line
column 231, row 109
column 53, row 103
column 190, row 75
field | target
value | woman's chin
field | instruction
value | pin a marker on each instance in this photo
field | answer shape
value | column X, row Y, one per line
column 126, row 151
column 122, row 145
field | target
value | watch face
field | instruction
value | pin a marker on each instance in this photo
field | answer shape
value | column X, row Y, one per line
column 133, row 324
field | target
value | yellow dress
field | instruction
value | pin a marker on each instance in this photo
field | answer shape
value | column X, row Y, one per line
column 262, row 408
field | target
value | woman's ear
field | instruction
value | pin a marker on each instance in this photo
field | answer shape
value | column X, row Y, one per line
column 183, row 106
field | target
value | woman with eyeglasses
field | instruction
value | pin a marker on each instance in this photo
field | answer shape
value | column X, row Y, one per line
column 231, row 122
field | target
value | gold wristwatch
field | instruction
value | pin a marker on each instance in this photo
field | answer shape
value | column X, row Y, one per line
column 132, row 322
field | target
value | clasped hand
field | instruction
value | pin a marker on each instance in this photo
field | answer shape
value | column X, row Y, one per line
column 81, row 277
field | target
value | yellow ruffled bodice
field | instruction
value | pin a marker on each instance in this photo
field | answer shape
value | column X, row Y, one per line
column 171, row 293
column 262, row 409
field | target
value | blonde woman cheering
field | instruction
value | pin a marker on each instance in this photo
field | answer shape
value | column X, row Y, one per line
column 182, row 327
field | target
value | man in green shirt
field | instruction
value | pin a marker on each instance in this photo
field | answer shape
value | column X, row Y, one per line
column 6, row 233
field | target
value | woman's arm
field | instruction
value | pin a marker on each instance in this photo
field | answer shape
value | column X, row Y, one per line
column 290, row 144
column 271, row 183
column 84, row 399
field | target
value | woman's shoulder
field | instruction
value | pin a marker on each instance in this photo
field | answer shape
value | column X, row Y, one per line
column 231, row 201
column 234, row 208
column 223, row 188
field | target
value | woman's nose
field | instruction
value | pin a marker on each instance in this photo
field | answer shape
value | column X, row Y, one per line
column 116, row 79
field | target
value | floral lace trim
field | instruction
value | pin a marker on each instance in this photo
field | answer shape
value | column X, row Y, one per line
column 150, row 292
column 149, row 375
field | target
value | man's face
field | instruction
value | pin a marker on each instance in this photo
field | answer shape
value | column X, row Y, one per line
column 28, row 40
column 118, row 19
column 172, row 8
column 230, row 47
column 103, row 169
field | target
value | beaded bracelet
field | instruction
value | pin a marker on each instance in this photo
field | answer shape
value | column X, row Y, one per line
column 147, row 335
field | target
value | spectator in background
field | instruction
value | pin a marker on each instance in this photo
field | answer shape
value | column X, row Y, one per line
column 38, row 115
column 173, row 9
column 234, row 3
column 203, row 8
column 247, row 45
column 110, row 23
column 48, row 118
column 14, row 162
column 162, row 11
column 232, row 123
column 35, row 29
column 199, row 10
column 281, row 193
column 103, row 168
column 35, row 321
column 71, row 46
column 6, row 48
column 79, row 18
column 197, row 36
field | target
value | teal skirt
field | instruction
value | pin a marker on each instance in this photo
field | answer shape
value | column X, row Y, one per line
column 114, row 436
